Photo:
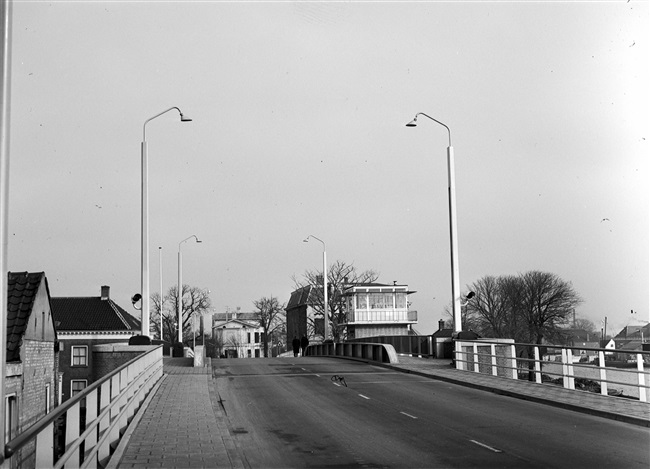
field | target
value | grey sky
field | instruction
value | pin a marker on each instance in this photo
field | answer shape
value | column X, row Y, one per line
column 299, row 113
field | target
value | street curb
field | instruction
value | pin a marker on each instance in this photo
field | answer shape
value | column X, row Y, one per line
column 116, row 457
column 563, row 405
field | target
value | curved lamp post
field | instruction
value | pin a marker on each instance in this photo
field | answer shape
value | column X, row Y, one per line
column 326, row 321
column 453, row 229
column 144, row 259
column 179, row 294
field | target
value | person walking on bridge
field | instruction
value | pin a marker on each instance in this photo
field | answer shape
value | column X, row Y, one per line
column 295, row 343
column 304, row 343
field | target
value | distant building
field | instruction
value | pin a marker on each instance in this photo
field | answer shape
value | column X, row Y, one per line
column 31, row 368
column 83, row 322
column 237, row 334
column 638, row 332
column 300, row 317
column 373, row 309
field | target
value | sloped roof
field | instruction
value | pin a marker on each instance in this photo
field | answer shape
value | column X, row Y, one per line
column 21, row 293
column 237, row 315
column 91, row 313
column 300, row 297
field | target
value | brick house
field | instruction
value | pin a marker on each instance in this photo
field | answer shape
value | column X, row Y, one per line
column 83, row 324
column 31, row 369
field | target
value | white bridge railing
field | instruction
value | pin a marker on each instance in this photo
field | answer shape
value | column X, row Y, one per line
column 629, row 376
column 85, row 430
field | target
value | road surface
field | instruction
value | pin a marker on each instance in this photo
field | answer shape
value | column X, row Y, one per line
column 291, row 413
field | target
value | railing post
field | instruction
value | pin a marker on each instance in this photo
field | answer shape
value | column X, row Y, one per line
column 45, row 447
column 475, row 353
column 513, row 362
column 603, row 373
column 72, row 427
column 91, row 439
column 538, row 367
column 640, row 372
column 572, row 381
column 565, row 370
column 493, row 353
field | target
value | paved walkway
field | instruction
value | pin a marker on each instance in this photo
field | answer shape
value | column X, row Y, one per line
column 180, row 425
column 183, row 425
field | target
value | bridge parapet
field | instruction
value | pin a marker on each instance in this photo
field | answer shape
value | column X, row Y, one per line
column 383, row 353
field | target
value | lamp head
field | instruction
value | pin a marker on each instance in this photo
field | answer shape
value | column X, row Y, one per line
column 413, row 123
column 185, row 119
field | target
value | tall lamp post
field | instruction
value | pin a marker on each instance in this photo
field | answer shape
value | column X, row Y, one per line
column 453, row 230
column 326, row 321
column 179, row 294
column 144, row 259
column 162, row 294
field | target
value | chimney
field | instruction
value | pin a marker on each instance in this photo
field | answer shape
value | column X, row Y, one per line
column 441, row 325
column 105, row 292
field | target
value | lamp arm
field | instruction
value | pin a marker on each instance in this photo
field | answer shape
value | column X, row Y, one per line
column 436, row 120
column 144, row 126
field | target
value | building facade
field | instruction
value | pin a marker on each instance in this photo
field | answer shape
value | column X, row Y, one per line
column 82, row 323
column 238, row 335
column 31, row 370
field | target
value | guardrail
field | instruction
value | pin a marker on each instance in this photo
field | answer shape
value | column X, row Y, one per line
column 84, row 430
column 506, row 358
column 384, row 353
column 418, row 345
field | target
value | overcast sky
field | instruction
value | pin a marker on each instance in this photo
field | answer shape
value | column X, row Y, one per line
column 298, row 128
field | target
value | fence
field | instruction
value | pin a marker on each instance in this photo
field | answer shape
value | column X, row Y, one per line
column 83, row 431
column 384, row 353
column 420, row 345
column 525, row 361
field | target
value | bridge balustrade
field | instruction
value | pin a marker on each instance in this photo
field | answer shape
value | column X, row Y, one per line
column 505, row 358
column 84, row 430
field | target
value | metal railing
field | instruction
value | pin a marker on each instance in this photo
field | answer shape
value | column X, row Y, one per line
column 84, row 430
column 629, row 378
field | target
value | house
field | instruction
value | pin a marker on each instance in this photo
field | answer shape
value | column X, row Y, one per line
column 82, row 323
column 300, row 317
column 373, row 309
column 237, row 334
column 638, row 332
column 31, row 369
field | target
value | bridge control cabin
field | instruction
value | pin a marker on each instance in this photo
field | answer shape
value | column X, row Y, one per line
column 376, row 309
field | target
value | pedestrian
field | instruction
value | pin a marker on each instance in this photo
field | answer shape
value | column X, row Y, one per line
column 296, row 346
column 304, row 342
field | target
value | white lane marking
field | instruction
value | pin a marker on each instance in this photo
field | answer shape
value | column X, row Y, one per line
column 318, row 376
column 495, row 450
column 336, row 384
column 365, row 397
column 409, row 415
column 303, row 369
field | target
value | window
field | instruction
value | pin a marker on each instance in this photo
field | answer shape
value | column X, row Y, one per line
column 47, row 398
column 11, row 417
column 257, row 337
column 400, row 300
column 77, row 385
column 362, row 301
column 249, row 337
column 79, row 355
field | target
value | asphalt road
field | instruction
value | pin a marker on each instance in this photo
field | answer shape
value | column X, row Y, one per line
column 289, row 413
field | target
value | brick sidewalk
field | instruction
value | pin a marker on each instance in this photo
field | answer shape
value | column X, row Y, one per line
column 181, row 426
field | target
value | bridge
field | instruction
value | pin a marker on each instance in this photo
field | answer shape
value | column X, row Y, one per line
column 206, row 417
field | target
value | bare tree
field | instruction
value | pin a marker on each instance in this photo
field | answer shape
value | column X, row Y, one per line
column 195, row 301
column 271, row 319
column 338, row 275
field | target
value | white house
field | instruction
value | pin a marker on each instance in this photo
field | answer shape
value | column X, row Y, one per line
column 237, row 334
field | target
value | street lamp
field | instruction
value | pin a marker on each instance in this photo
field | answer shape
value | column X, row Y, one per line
column 325, row 305
column 453, row 230
column 179, row 294
column 144, row 260
column 162, row 294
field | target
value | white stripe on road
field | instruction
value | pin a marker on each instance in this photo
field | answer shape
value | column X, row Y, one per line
column 365, row 397
column 486, row 446
column 409, row 415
